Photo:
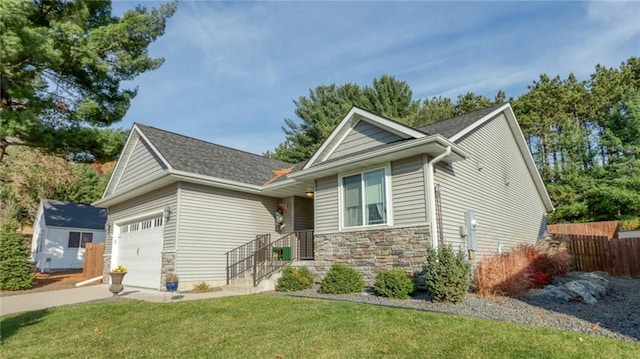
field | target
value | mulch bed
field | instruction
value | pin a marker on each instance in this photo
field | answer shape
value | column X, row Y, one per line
column 45, row 282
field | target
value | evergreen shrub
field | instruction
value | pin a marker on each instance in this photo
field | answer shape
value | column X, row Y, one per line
column 294, row 279
column 394, row 283
column 342, row 279
column 446, row 275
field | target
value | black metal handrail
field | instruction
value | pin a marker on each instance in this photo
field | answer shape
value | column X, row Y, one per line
column 240, row 260
column 274, row 256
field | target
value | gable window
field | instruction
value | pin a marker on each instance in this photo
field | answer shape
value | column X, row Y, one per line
column 364, row 197
column 79, row 239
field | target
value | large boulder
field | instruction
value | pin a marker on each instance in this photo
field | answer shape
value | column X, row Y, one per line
column 578, row 286
column 580, row 292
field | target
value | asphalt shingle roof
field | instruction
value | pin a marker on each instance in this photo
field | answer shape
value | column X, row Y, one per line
column 196, row 156
column 75, row 215
column 450, row 127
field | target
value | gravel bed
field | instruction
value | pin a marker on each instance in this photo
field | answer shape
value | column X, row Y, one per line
column 616, row 316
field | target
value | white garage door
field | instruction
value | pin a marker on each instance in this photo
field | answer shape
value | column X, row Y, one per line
column 140, row 250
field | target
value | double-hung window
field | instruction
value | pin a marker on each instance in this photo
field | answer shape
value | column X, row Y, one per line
column 364, row 199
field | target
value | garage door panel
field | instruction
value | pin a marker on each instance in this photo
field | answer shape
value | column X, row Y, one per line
column 140, row 250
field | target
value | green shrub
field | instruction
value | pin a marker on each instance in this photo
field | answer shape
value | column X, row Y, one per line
column 341, row 279
column 294, row 279
column 394, row 284
column 446, row 275
column 16, row 271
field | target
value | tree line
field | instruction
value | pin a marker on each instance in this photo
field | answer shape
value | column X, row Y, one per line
column 62, row 64
column 584, row 135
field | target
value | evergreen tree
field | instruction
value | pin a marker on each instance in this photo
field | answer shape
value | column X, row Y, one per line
column 16, row 271
column 61, row 66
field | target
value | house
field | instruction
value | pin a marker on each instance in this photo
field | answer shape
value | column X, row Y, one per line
column 375, row 195
column 60, row 232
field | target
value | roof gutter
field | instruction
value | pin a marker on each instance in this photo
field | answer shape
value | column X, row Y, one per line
column 431, row 195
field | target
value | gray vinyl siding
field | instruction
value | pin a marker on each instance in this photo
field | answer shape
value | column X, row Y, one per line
column 153, row 202
column 408, row 192
column 496, row 184
column 124, row 157
column 303, row 213
column 142, row 165
column 363, row 136
column 326, row 204
column 214, row 221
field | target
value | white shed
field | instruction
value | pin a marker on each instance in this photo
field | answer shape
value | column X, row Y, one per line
column 61, row 231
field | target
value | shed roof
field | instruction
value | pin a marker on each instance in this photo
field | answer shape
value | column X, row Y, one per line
column 74, row 215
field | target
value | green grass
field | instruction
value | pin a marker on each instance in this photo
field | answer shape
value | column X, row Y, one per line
column 263, row 326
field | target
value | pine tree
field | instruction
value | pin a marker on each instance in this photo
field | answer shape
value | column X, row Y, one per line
column 16, row 270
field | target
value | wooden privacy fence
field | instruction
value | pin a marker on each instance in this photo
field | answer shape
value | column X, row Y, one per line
column 93, row 260
column 617, row 256
column 607, row 228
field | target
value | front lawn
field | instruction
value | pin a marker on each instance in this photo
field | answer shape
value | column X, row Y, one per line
column 264, row 326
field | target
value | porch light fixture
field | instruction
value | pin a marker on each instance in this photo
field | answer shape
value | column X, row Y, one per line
column 309, row 193
column 166, row 213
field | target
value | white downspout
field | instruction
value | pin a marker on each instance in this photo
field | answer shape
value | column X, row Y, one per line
column 431, row 195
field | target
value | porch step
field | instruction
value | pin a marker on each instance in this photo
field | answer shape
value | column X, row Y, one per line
column 245, row 285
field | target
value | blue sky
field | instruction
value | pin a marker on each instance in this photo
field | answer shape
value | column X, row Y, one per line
column 233, row 69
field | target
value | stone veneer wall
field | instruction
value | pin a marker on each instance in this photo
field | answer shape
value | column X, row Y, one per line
column 168, row 265
column 106, row 268
column 373, row 251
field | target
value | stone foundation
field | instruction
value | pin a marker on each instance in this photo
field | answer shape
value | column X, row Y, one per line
column 106, row 268
column 373, row 251
column 168, row 265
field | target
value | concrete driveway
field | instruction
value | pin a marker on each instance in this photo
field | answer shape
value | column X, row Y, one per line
column 43, row 300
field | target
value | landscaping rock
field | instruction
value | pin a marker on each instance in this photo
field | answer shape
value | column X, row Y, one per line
column 599, row 278
column 580, row 292
column 596, row 290
column 550, row 292
column 578, row 287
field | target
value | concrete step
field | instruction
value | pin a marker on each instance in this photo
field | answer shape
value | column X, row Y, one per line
column 245, row 285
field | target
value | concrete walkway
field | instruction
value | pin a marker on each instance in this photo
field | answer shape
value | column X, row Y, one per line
column 43, row 300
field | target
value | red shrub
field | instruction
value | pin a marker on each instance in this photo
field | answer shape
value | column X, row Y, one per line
column 514, row 273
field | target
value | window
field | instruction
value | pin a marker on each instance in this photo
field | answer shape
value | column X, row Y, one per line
column 79, row 239
column 364, row 199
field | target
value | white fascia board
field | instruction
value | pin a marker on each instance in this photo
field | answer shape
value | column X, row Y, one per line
column 119, row 162
column 389, row 125
column 215, row 181
column 438, row 139
column 335, row 133
column 155, row 150
column 172, row 176
column 348, row 122
column 528, row 158
column 140, row 189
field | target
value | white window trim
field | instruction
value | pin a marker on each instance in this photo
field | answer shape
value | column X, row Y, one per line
column 81, row 235
column 387, row 187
